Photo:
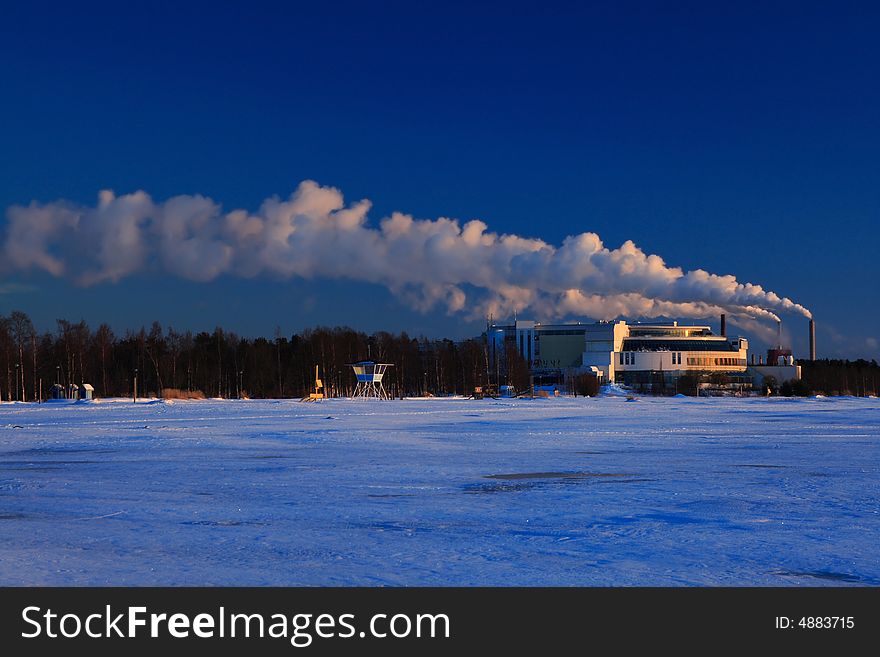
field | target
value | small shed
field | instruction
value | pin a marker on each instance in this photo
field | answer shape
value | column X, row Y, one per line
column 73, row 391
column 57, row 392
column 87, row 391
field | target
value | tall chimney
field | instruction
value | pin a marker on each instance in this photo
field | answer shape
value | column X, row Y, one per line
column 812, row 340
column 723, row 325
column 779, row 333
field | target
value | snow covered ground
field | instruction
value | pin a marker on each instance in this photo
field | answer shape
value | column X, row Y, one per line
column 555, row 491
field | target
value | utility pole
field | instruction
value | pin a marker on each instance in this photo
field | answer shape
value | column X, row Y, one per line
column 135, row 387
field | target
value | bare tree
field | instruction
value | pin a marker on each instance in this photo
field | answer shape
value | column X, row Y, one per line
column 104, row 340
column 22, row 333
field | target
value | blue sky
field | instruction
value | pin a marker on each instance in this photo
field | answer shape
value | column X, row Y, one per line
column 738, row 139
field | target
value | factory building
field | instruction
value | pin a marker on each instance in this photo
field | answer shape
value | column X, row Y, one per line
column 660, row 353
column 645, row 355
column 553, row 351
column 619, row 351
column 780, row 366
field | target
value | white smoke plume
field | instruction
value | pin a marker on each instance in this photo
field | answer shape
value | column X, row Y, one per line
column 314, row 234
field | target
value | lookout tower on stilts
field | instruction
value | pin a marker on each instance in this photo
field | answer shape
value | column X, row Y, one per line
column 369, row 379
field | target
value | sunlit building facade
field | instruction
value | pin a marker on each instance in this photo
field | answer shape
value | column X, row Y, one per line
column 633, row 354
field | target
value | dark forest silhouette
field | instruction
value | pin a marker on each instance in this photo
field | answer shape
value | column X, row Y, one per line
column 223, row 364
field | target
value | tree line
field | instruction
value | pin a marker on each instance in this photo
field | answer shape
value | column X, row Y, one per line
column 860, row 378
column 830, row 377
column 170, row 363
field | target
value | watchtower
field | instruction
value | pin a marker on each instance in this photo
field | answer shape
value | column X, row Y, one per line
column 369, row 379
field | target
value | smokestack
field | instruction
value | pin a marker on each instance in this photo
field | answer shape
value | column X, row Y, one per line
column 723, row 325
column 779, row 333
column 812, row 340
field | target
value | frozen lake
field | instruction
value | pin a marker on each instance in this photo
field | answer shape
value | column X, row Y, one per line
column 442, row 492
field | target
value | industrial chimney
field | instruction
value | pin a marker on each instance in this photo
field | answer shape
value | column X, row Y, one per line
column 812, row 340
column 723, row 325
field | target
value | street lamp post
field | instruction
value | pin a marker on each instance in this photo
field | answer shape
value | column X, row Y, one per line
column 135, row 387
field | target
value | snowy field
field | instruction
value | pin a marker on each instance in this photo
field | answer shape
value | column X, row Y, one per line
column 442, row 492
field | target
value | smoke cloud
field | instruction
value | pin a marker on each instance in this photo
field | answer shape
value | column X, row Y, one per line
column 426, row 263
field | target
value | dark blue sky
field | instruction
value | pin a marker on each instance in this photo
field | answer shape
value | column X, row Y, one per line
column 739, row 139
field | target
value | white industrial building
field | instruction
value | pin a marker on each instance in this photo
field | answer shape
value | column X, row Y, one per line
column 645, row 350
column 631, row 353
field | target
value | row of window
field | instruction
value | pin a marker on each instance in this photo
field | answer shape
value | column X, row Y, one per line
column 716, row 361
column 629, row 358
column 672, row 333
column 653, row 344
